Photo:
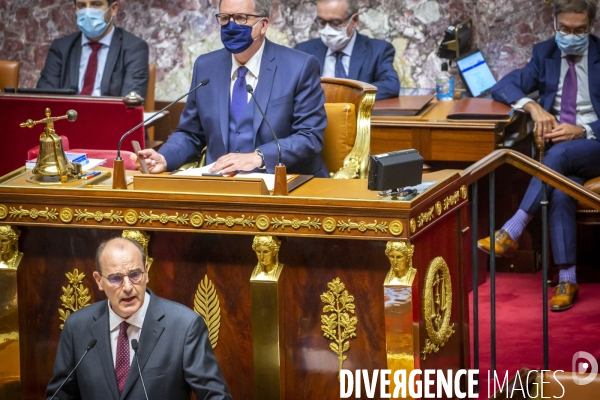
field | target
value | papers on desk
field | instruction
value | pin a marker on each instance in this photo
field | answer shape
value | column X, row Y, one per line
column 154, row 119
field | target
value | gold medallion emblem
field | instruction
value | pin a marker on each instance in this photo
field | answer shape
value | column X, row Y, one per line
column 262, row 222
column 3, row 211
column 413, row 225
column 463, row 191
column 329, row 224
column 396, row 228
column 66, row 215
column 131, row 217
column 196, row 220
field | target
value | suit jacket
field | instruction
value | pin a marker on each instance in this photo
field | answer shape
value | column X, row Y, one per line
column 175, row 357
column 372, row 61
column 289, row 92
column 126, row 67
column 543, row 73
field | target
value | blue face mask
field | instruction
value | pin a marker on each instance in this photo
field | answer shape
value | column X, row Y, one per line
column 91, row 22
column 237, row 38
column 572, row 44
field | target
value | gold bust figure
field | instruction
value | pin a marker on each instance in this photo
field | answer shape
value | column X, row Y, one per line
column 267, row 252
column 142, row 238
column 400, row 255
column 9, row 247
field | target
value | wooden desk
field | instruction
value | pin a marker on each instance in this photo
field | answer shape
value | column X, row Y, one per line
column 438, row 139
column 329, row 229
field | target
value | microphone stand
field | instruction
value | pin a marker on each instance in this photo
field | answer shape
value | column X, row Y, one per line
column 281, row 186
column 119, row 178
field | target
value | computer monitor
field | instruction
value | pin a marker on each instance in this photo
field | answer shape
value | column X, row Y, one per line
column 476, row 74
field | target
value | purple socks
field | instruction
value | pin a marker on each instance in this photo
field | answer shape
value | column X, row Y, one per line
column 517, row 224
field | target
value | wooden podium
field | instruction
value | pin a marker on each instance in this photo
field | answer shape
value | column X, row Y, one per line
column 331, row 265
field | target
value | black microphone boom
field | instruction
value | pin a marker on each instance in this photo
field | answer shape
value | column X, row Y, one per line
column 90, row 345
column 250, row 90
column 134, row 346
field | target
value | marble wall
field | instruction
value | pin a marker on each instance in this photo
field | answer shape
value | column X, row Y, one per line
column 177, row 31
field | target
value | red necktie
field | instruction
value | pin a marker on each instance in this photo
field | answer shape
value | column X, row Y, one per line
column 122, row 362
column 92, row 68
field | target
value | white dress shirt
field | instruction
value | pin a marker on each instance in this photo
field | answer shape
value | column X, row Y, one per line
column 136, row 322
column 253, row 66
column 329, row 65
column 86, row 52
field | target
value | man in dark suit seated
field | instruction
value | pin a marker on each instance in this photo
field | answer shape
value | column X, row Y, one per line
column 175, row 355
column 566, row 71
column 223, row 117
column 344, row 53
column 101, row 60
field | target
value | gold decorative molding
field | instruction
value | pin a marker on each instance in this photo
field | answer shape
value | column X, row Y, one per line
column 329, row 224
column 206, row 303
column 451, row 200
column 267, row 252
column 400, row 255
column 33, row 213
column 10, row 256
column 163, row 218
column 362, row 226
column 396, row 228
column 131, row 217
column 463, row 192
column 438, row 208
column 437, row 306
column 230, row 221
column 196, row 219
column 143, row 239
column 3, row 211
column 425, row 217
column 338, row 326
column 262, row 222
column 98, row 216
column 66, row 215
column 296, row 223
column 75, row 295
column 413, row 225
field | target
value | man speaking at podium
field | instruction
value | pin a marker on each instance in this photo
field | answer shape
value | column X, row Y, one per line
column 223, row 117
column 101, row 60
column 174, row 354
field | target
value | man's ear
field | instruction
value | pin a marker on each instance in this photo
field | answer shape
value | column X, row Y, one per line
column 98, row 280
column 265, row 25
column 114, row 8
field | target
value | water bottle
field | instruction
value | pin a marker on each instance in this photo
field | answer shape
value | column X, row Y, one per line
column 444, row 85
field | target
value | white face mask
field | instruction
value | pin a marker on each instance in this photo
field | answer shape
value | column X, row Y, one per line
column 335, row 39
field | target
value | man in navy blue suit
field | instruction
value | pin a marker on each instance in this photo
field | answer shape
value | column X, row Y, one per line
column 344, row 53
column 223, row 117
column 566, row 71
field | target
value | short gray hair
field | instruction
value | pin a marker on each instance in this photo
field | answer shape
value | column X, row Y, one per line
column 261, row 7
column 121, row 245
column 351, row 5
column 576, row 6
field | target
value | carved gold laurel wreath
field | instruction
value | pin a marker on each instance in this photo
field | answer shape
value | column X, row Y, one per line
column 75, row 295
column 206, row 303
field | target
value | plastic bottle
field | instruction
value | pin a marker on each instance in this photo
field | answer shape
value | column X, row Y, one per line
column 444, row 85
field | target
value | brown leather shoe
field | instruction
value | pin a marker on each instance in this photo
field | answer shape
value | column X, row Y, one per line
column 504, row 245
column 564, row 296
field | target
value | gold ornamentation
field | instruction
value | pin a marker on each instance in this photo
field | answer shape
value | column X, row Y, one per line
column 438, row 208
column 338, row 326
column 396, row 228
column 10, row 256
column 75, row 295
column 437, row 306
column 33, row 213
column 329, row 224
column 262, row 222
column 267, row 253
column 463, row 192
column 196, row 219
column 143, row 239
column 401, row 270
column 413, row 225
column 3, row 211
column 451, row 200
column 362, row 226
column 296, row 223
column 131, row 217
column 66, row 215
column 206, row 303
column 163, row 218
column 425, row 217
column 98, row 216
column 230, row 221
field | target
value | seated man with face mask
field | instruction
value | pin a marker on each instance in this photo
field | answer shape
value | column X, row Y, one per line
column 344, row 53
column 225, row 118
column 101, row 60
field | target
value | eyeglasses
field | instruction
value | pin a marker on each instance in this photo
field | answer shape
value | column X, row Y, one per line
column 240, row 19
column 579, row 32
column 334, row 23
column 116, row 280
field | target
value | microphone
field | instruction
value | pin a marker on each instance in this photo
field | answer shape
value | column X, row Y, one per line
column 281, row 188
column 119, row 180
column 90, row 345
column 134, row 346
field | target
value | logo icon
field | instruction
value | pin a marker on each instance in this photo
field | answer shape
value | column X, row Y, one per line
column 581, row 368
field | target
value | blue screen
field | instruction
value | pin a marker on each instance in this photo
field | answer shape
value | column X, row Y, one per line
column 476, row 73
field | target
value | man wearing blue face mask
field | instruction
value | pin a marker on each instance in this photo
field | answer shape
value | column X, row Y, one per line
column 101, row 59
column 566, row 71
column 224, row 117
column 344, row 53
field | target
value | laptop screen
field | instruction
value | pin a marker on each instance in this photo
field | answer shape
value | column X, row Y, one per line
column 476, row 74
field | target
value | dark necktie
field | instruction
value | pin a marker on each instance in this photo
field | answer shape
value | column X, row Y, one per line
column 340, row 72
column 568, row 101
column 92, row 68
column 122, row 362
column 239, row 95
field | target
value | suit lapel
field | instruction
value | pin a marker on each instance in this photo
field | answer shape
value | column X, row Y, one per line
column 265, row 84
column 224, row 82
column 358, row 56
column 100, row 331
column 72, row 81
column 111, row 60
column 553, row 77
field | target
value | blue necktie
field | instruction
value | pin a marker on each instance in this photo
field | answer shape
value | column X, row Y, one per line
column 340, row 72
column 239, row 96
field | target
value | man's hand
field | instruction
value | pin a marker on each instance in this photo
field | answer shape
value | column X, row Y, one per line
column 233, row 162
column 563, row 133
column 156, row 162
column 545, row 121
